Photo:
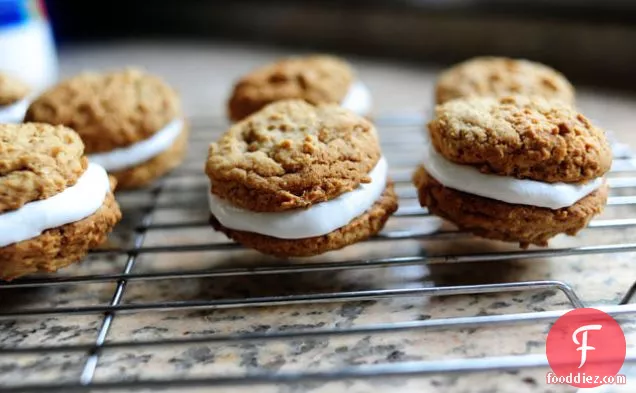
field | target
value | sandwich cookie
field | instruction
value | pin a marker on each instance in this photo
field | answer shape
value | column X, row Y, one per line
column 299, row 180
column 499, row 77
column 13, row 99
column 517, row 169
column 315, row 79
column 54, row 205
column 131, row 122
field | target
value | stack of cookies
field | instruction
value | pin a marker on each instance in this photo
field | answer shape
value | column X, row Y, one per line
column 508, row 157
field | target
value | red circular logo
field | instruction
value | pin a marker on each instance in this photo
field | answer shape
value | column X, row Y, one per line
column 585, row 348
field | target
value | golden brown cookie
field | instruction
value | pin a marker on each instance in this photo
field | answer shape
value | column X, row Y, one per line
column 361, row 228
column 116, row 110
column 498, row 220
column 145, row 173
column 109, row 110
column 498, row 76
column 290, row 158
column 59, row 247
column 291, row 155
column 37, row 161
column 524, row 137
column 12, row 89
column 315, row 79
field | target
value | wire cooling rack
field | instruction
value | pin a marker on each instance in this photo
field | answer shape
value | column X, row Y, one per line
column 175, row 208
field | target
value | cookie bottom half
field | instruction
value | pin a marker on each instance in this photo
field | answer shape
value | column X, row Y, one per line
column 498, row 220
column 360, row 228
column 148, row 171
column 59, row 247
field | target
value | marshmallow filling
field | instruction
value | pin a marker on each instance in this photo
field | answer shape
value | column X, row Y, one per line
column 504, row 188
column 140, row 152
column 75, row 203
column 358, row 99
column 317, row 220
column 14, row 113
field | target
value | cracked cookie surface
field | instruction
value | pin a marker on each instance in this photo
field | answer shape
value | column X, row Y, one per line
column 528, row 138
column 37, row 161
column 291, row 155
column 109, row 110
column 498, row 76
column 316, row 79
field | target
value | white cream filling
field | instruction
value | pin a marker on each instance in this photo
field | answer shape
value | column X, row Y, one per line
column 75, row 203
column 504, row 188
column 316, row 220
column 137, row 153
column 15, row 112
column 358, row 99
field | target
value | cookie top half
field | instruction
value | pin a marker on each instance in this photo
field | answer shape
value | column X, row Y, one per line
column 498, row 77
column 11, row 89
column 524, row 137
column 291, row 155
column 108, row 110
column 316, row 79
column 37, row 161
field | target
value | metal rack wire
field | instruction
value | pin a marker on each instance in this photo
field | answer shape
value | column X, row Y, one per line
column 404, row 156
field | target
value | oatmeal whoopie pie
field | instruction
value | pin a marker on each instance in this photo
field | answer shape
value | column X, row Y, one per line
column 500, row 77
column 317, row 79
column 54, row 205
column 130, row 121
column 13, row 99
column 298, row 180
column 517, row 169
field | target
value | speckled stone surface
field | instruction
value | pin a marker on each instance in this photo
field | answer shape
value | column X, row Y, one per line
column 204, row 75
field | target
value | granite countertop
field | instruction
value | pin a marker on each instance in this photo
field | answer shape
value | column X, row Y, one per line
column 204, row 73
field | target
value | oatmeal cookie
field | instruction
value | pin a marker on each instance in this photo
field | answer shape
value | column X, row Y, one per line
column 524, row 137
column 498, row 76
column 291, row 155
column 316, row 79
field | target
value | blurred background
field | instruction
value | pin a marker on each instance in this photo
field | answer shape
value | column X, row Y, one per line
column 397, row 46
column 592, row 41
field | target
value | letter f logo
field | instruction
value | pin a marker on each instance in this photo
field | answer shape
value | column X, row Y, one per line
column 583, row 344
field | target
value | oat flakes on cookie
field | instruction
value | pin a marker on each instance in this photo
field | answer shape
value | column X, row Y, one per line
column 54, row 206
column 130, row 122
column 517, row 169
column 13, row 99
column 317, row 79
column 498, row 77
column 298, row 180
